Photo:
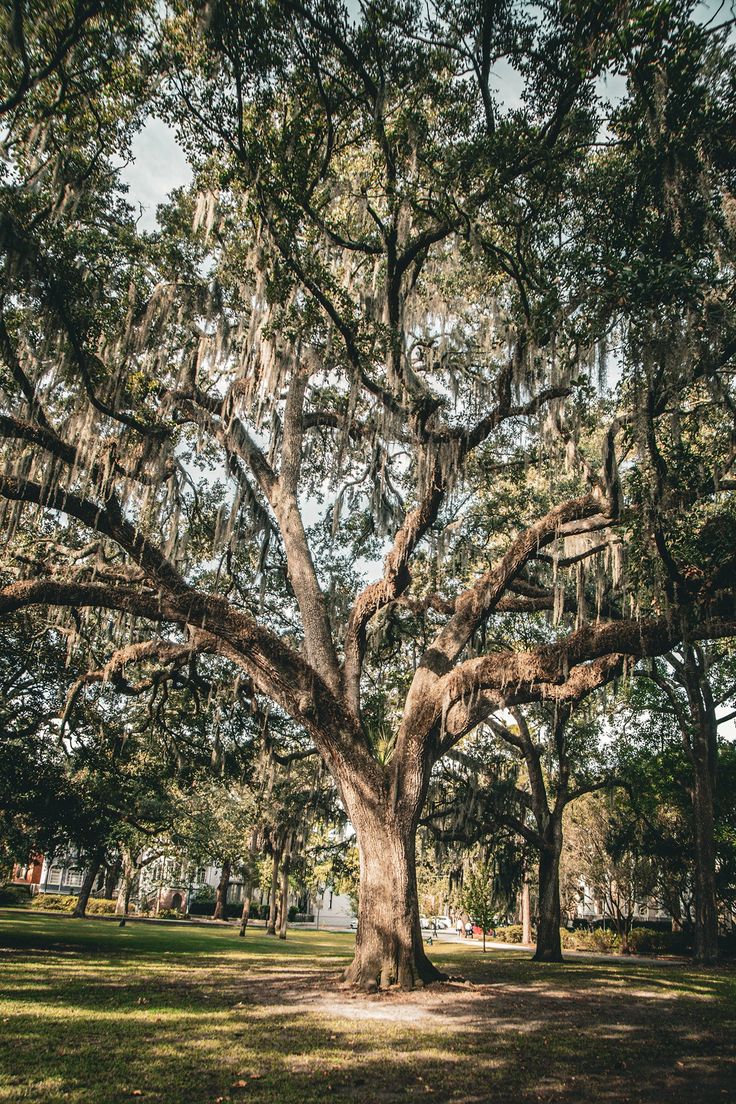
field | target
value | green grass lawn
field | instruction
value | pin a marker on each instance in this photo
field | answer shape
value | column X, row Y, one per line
column 93, row 1013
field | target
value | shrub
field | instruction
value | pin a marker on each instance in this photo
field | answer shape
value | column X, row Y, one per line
column 206, row 908
column 606, row 941
column 570, row 939
column 600, row 941
column 201, row 908
column 101, row 906
column 54, row 902
column 651, row 941
column 57, row 902
column 172, row 914
column 13, row 896
column 511, row 934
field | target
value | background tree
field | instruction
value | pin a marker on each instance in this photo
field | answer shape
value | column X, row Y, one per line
column 671, row 720
column 479, row 895
column 608, row 857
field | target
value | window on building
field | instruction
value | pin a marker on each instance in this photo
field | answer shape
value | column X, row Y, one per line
column 74, row 878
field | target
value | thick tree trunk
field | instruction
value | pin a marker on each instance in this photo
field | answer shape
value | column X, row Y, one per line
column 705, row 947
column 223, row 885
column 549, row 947
column 273, row 897
column 126, row 887
column 526, row 912
column 388, row 947
column 85, row 890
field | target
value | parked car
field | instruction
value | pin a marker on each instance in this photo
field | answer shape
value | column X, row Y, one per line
column 443, row 923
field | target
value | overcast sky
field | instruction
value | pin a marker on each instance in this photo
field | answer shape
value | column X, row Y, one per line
column 158, row 166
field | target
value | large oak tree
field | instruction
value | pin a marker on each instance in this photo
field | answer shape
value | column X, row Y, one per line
column 384, row 295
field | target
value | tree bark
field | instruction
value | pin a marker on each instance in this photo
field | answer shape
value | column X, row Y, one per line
column 705, row 946
column 245, row 913
column 223, row 885
column 526, row 912
column 701, row 744
column 273, row 897
column 284, row 898
column 248, row 886
column 112, row 873
column 125, row 889
column 549, row 946
column 388, row 948
column 80, row 909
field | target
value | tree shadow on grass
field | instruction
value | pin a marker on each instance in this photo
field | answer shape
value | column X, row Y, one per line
column 99, row 1029
column 260, row 1054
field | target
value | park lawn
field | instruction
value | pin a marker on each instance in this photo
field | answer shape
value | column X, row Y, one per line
column 93, row 1013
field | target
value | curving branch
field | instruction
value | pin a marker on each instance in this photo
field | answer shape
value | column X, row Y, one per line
column 474, row 605
column 64, row 39
column 396, row 575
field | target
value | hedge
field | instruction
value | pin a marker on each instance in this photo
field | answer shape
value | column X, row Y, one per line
column 12, row 896
column 57, row 902
column 511, row 934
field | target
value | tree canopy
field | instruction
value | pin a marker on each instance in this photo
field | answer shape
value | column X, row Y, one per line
column 398, row 316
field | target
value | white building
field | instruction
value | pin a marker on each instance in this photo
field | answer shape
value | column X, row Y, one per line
column 172, row 883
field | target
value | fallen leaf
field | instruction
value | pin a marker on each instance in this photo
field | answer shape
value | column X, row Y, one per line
column 241, row 1084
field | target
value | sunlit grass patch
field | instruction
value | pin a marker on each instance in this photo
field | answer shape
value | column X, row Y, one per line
column 93, row 1014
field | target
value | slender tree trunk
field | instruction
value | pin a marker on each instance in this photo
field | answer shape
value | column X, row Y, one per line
column 248, row 887
column 621, row 921
column 223, row 885
column 112, row 874
column 624, row 941
column 549, row 946
column 526, row 912
column 245, row 913
column 126, row 886
column 701, row 744
column 284, row 901
column 273, row 898
column 705, row 948
column 80, row 909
